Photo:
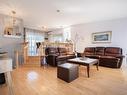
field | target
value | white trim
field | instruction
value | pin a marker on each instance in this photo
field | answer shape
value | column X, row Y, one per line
column 12, row 36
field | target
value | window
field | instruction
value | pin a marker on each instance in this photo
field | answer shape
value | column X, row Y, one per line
column 33, row 36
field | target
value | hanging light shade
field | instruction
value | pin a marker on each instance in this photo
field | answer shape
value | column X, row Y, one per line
column 44, row 29
column 13, row 17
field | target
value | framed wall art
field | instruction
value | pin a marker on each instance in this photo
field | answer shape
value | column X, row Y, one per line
column 102, row 37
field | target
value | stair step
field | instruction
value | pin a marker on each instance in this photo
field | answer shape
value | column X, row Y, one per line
column 33, row 61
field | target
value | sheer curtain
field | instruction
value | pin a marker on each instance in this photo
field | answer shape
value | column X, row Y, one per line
column 32, row 36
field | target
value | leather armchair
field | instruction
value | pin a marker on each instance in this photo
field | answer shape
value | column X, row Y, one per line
column 56, row 56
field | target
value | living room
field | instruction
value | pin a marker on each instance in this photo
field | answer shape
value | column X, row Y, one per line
column 34, row 35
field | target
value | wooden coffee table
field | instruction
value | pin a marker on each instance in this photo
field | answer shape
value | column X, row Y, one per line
column 85, row 62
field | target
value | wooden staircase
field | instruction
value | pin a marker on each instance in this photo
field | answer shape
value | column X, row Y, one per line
column 34, row 61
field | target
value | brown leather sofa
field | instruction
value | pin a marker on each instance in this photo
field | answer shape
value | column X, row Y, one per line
column 108, row 56
column 56, row 55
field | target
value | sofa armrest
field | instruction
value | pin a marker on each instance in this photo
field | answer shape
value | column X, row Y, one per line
column 51, row 59
column 108, row 57
column 120, row 56
column 55, row 55
column 71, row 54
column 118, row 62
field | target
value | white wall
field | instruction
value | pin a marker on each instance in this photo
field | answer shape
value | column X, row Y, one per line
column 118, row 28
column 9, row 44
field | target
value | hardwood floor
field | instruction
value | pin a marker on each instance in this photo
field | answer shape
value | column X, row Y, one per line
column 44, row 81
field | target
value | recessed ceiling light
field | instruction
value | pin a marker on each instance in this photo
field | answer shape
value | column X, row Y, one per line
column 58, row 11
column 13, row 12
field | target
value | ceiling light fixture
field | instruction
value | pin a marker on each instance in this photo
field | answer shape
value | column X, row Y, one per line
column 44, row 28
column 57, row 11
column 13, row 17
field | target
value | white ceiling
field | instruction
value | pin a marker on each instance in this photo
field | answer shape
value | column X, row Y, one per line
column 38, row 13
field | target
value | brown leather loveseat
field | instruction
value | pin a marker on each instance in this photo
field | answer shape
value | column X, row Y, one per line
column 57, row 55
column 108, row 56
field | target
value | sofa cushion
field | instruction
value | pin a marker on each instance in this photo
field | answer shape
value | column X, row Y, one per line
column 59, row 58
column 62, row 51
column 93, row 56
column 89, row 51
column 99, row 50
column 52, row 50
column 113, row 51
column 70, row 56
